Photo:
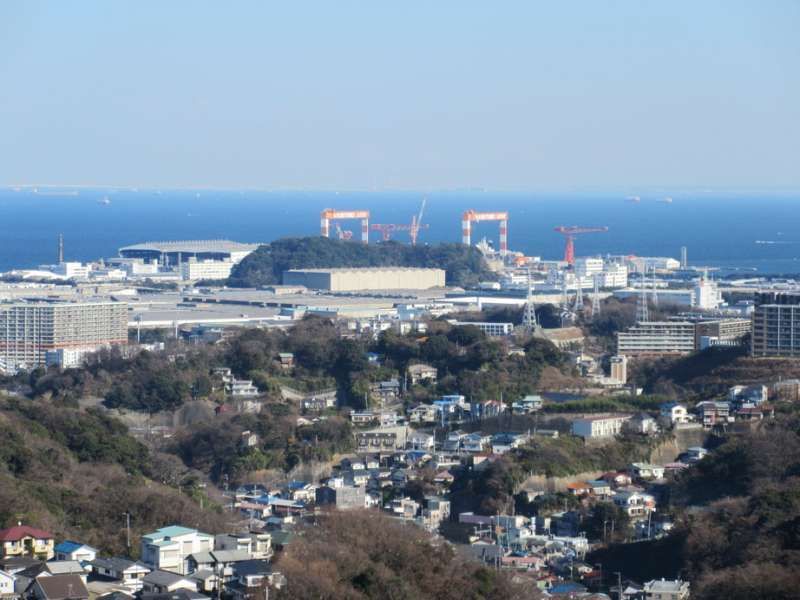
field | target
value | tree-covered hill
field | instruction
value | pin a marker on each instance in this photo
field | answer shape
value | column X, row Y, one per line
column 464, row 265
column 75, row 473
column 360, row 555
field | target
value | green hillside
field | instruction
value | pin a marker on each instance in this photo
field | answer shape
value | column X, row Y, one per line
column 463, row 265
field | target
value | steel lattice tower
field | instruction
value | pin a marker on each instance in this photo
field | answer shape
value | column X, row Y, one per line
column 530, row 321
column 596, row 296
column 642, row 314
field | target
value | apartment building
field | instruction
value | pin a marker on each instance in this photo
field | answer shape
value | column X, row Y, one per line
column 491, row 329
column 29, row 331
column 654, row 338
column 776, row 325
column 599, row 427
column 722, row 332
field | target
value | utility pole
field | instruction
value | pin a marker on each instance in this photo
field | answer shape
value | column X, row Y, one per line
column 128, row 530
column 619, row 584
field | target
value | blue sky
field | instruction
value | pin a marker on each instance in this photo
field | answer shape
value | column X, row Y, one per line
column 342, row 95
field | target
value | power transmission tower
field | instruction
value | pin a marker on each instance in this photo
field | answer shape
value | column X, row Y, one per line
column 578, row 294
column 655, row 291
column 596, row 296
column 530, row 321
column 642, row 314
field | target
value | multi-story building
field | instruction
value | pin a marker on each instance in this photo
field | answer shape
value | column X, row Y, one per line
column 653, row 338
column 721, row 332
column 491, row 329
column 619, row 368
column 588, row 266
column 194, row 270
column 599, row 427
column 776, row 325
column 707, row 295
column 635, row 504
column 168, row 548
column 28, row 331
column 613, row 276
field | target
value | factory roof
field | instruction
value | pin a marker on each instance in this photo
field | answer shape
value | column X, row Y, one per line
column 360, row 269
column 190, row 246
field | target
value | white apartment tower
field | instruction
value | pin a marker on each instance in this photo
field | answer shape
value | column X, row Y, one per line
column 29, row 331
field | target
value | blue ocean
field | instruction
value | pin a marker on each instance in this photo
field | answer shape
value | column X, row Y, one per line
column 759, row 233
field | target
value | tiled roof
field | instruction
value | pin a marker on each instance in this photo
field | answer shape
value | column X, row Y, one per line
column 14, row 534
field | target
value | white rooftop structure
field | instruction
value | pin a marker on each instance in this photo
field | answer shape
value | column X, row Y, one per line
column 180, row 251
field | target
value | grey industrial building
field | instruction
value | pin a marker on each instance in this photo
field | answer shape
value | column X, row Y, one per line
column 369, row 278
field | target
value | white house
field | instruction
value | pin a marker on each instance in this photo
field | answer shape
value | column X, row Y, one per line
column 420, row 372
column 6, row 584
column 635, row 504
column 128, row 573
column 647, row 471
column 599, row 427
column 168, row 548
column 69, row 550
column 674, row 412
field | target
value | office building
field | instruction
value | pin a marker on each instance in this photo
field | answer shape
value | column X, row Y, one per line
column 28, row 331
column 706, row 295
column 72, row 270
column 214, row 270
column 613, row 276
column 654, row 338
column 588, row 266
column 776, row 325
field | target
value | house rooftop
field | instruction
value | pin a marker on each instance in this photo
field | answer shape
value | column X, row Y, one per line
column 171, row 531
column 62, row 587
column 163, row 578
column 68, row 546
column 14, row 534
column 117, row 564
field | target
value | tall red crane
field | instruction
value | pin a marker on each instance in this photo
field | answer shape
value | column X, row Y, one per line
column 569, row 233
column 387, row 229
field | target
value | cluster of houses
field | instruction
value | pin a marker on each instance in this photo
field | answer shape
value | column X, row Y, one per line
column 176, row 563
column 550, row 553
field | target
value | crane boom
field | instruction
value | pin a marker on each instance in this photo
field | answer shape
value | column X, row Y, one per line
column 570, row 232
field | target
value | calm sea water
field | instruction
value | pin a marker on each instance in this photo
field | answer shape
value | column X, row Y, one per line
column 718, row 230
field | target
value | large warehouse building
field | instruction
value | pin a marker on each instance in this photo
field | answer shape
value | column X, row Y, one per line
column 370, row 278
column 173, row 253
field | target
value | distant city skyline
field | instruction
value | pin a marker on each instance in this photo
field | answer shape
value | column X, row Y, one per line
column 355, row 95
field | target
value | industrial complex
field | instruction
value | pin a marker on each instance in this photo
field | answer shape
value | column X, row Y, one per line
column 42, row 320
